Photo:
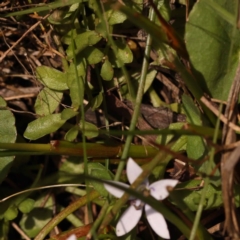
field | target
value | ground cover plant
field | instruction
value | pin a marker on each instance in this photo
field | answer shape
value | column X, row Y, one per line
column 119, row 119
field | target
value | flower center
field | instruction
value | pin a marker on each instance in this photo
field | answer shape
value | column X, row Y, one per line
column 138, row 204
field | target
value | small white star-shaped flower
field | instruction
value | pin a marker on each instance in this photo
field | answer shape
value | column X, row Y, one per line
column 132, row 215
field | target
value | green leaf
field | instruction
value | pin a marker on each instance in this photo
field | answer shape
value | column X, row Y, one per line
column 213, row 45
column 80, row 66
column 75, row 80
column 164, row 139
column 43, row 126
column 107, row 71
column 149, row 79
column 115, row 17
column 94, row 38
column 82, row 41
column 47, row 101
column 72, row 134
column 8, row 135
column 26, row 205
column 68, row 113
column 93, row 55
column 213, row 195
column 11, row 213
column 99, row 171
column 101, row 29
column 76, row 92
column 90, row 130
column 72, row 165
column 124, row 53
column 52, row 78
column 7, row 127
column 195, row 144
column 31, row 223
column 191, row 111
column 96, row 101
column 2, row 102
column 196, row 148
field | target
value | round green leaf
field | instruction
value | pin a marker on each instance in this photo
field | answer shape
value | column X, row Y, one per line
column 32, row 222
column 107, row 71
column 11, row 213
column 93, row 55
column 52, row 78
column 47, row 101
column 72, row 134
column 90, row 130
column 115, row 17
column 124, row 54
column 26, row 206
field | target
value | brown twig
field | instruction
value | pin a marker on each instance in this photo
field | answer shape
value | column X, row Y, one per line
column 223, row 118
column 229, row 161
column 22, row 37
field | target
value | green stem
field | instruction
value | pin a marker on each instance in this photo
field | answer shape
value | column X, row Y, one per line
column 138, row 101
column 63, row 214
column 94, row 150
column 99, row 219
column 211, row 165
column 201, row 231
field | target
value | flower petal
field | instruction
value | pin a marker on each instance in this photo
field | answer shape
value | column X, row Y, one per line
column 116, row 192
column 157, row 222
column 129, row 219
column 133, row 171
column 72, row 237
column 159, row 189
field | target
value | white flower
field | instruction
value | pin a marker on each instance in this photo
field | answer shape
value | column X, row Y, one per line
column 132, row 215
column 72, row 237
